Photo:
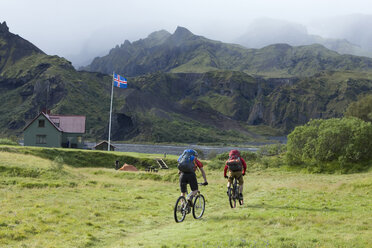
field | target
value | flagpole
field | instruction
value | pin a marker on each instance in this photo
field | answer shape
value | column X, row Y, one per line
column 112, row 93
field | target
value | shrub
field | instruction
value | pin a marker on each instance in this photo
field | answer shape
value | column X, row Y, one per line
column 57, row 164
column 346, row 141
column 271, row 150
column 8, row 142
column 212, row 155
column 216, row 165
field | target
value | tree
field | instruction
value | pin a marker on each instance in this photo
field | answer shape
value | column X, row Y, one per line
column 345, row 141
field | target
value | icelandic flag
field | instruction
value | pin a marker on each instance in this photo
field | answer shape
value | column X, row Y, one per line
column 120, row 81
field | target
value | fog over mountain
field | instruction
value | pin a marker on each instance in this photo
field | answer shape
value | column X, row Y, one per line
column 264, row 31
column 351, row 37
column 355, row 28
column 80, row 31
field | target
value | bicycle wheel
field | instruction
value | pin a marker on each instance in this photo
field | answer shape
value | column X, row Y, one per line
column 232, row 199
column 199, row 207
column 180, row 209
column 238, row 196
column 241, row 201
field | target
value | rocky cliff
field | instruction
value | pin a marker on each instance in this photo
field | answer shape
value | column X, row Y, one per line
column 194, row 101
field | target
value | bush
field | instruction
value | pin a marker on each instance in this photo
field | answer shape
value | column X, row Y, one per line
column 322, row 142
column 57, row 164
column 8, row 142
column 271, row 150
column 212, row 155
column 216, row 165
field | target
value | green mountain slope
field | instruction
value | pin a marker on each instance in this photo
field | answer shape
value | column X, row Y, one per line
column 229, row 100
column 185, row 107
column 31, row 81
column 194, row 101
column 13, row 48
column 40, row 82
column 37, row 81
column 325, row 95
column 186, row 52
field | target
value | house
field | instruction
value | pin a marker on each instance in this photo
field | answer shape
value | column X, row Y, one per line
column 103, row 145
column 49, row 130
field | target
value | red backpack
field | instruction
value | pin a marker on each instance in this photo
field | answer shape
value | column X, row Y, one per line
column 234, row 163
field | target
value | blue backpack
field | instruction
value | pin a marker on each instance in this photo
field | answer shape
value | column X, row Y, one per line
column 186, row 161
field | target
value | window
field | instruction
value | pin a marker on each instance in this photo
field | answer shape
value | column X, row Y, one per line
column 41, row 123
column 40, row 139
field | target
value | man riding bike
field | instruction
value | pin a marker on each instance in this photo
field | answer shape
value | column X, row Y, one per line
column 187, row 165
column 236, row 167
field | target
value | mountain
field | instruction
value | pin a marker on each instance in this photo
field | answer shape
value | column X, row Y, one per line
column 31, row 81
column 354, row 28
column 192, row 101
column 228, row 100
column 13, row 48
column 264, row 32
column 35, row 81
column 185, row 52
column 323, row 95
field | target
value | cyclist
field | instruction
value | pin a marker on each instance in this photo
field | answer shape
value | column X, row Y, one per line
column 188, row 176
column 237, row 167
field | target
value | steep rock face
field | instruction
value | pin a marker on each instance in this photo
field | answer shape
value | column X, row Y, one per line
column 224, row 100
column 321, row 96
column 31, row 81
column 184, row 98
column 13, row 48
column 256, row 116
column 212, row 106
column 123, row 127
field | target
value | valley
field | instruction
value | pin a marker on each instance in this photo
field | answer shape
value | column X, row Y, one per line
column 101, row 207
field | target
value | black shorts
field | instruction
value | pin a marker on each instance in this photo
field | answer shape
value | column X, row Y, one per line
column 188, row 178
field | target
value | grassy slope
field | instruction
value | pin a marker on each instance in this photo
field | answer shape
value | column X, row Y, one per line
column 88, row 158
column 85, row 92
column 96, row 207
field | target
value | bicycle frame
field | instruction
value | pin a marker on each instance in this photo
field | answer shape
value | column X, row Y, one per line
column 183, row 207
column 234, row 194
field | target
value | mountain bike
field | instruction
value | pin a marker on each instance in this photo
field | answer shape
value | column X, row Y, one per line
column 233, row 193
column 183, row 206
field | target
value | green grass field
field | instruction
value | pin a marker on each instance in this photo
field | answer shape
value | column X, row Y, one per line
column 46, row 205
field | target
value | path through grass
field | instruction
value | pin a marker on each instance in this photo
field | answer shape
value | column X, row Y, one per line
column 93, row 207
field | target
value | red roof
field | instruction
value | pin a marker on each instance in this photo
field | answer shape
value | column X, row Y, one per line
column 69, row 123
column 64, row 123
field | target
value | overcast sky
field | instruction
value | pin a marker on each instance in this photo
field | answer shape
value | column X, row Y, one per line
column 70, row 27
